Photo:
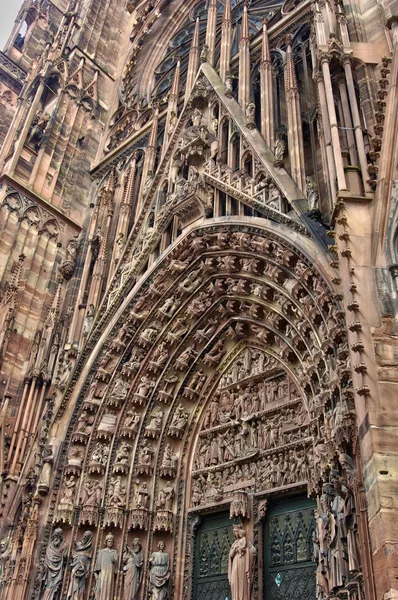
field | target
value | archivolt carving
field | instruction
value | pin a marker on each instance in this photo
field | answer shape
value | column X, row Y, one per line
column 232, row 379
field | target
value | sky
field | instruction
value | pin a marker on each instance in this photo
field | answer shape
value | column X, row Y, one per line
column 9, row 10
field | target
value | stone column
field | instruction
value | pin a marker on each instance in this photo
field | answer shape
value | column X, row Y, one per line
column 295, row 133
column 267, row 108
column 193, row 61
column 323, row 110
column 328, row 89
column 211, row 30
column 347, row 122
column 226, row 32
column 357, row 123
column 25, row 410
column 244, row 62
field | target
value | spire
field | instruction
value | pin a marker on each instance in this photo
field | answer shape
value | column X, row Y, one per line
column 211, row 30
column 244, row 61
column 193, row 62
column 290, row 73
column 172, row 108
column 244, row 34
column 295, row 132
column 226, row 31
column 174, row 91
column 128, row 188
column 265, row 53
column 153, row 136
column 266, row 98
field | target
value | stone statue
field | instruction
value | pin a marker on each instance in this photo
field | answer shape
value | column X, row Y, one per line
column 88, row 321
column 147, row 183
column 5, row 552
column 133, row 563
column 44, row 480
column 69, row 491
column 64, row 374
column 347, row 492
column 119, row 245
column 105, row 570
column 159, row 574
column 250, row 114
column 38, row 129
column 279, row 149
column 165, row 499
column 54, row 563
column 80, row 567
column 72, row 248
column 141, row 499
column 241, row 563
column 91, row 495
column 312, row 194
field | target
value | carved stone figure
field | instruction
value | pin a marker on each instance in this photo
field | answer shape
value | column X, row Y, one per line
column 155, row 424
column 44, row 480
column 133, row 562
column 69, row 491
column 169, row 458
column 279, row 150
column 100, row 454
column 5, row 551
column 91, row 495
column 159, row 574
column 54, row 563
column 250, row 114
column 241, row 564
column 144, row 386
column 180, row 418
column 105, row 570
column 312, row 194
column 64, row 374
column 39, row 126
column 350, row 512
column 88, row 321
column 131, row 420
column 80, row 567
column 119, row 246
column 117, row 492
column 123, row 454
column 165, row 499
column 141, row 499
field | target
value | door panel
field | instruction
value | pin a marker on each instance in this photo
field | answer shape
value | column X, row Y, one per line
column 288, row 554
column 214, row 539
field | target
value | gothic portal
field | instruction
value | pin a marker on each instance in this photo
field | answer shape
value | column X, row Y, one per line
column 198, row 290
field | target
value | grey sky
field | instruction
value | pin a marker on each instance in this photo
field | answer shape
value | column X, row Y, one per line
column 9, row 10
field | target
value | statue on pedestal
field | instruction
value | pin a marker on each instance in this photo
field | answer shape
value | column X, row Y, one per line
column 159, row 574
column 54, row 563
column 241, row 563
column 133, row 562
column 105, row 570
column 80, row 565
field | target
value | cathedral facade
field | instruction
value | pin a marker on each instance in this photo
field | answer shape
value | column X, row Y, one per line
column 198, row 300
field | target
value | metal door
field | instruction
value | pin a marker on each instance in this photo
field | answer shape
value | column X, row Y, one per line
column 214, row 539
column 288, row 551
